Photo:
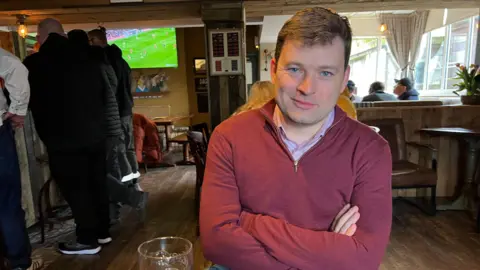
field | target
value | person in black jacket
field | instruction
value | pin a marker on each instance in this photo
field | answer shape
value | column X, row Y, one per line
column 405, row 90
column 115, row 150
column 68, row 107
column 98, row 37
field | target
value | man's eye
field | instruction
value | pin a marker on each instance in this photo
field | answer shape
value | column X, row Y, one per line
column 293, row 69
column 326, row 73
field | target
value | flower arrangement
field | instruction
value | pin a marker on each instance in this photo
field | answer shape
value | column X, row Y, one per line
column 469, row 80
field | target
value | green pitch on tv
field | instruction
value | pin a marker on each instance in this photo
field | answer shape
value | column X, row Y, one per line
column 146, row 48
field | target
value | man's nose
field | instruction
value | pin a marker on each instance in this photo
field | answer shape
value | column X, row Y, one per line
column 306, row 85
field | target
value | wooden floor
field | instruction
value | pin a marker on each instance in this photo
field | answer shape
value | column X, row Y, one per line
column 446, row 241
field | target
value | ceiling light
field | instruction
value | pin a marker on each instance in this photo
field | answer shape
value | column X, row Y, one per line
column 22, row 28
column 383, row 27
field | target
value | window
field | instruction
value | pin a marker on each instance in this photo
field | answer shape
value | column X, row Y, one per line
column 457, row 49
column 435, row 61
column 474, row 40
column 371, row 60
column 440, row 50
column 420, row 64
column 363, row 63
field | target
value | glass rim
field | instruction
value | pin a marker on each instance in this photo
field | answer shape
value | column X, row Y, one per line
column 190, row 247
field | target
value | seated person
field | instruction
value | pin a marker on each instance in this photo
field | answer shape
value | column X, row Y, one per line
column 405, row 90
column 297, row 184
column 352, row 92
column 260, row 93
column 346, row 104
column 377, row 93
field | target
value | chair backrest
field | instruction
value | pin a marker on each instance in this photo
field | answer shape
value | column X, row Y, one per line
column 394, row 132
column 202, row 128
column 198, row 150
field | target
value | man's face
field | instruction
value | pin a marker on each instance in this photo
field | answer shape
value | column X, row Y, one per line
column 399, row 89
column 94, row 41
column 41, row 37
column 309, row 80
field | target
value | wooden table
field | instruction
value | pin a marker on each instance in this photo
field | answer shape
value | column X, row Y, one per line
column 166, row 122
column 468, row 190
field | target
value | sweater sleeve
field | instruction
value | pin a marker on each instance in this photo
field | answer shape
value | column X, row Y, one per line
column 306, row 249
column 224, row 241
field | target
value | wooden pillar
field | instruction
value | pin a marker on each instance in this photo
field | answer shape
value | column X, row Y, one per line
column 225, row 22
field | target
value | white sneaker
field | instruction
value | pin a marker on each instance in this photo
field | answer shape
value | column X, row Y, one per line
column 127, row 178
column 104, row 241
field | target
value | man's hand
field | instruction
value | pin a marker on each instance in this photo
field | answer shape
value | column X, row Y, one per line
column 345, row 221
column 17, row 120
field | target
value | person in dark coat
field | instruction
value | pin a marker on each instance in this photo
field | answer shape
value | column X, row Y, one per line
column 377, row 93
column 405, row 90
column 115, row 150
column 98, row 37
column 68, row 108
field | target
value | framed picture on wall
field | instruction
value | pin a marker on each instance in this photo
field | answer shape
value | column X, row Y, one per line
column 200, row 66
column 151, row 84
column 201, row 85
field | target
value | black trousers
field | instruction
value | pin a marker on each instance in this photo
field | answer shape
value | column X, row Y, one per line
column 80, row 176
column 118, row 191
column 15, row 244
column 127, row 128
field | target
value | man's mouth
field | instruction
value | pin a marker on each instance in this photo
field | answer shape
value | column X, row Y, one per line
column 304, row 105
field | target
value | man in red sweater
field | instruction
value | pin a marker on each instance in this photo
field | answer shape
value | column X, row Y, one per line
column 285, row 185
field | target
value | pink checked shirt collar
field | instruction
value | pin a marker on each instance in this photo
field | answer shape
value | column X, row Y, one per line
column 298, row 150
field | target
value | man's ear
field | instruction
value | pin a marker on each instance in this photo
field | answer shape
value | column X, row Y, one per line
column 273, row 70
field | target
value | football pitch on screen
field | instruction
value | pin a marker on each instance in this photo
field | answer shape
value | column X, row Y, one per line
column 150, row 49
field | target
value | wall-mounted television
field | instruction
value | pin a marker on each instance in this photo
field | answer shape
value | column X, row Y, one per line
column 146, row 48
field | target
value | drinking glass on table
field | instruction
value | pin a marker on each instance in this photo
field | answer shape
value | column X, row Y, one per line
column 166, row 253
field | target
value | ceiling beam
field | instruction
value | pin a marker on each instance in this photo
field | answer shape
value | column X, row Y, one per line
column 11, row 5
column 166, row 11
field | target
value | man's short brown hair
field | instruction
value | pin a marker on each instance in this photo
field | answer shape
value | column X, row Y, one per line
column 316, row 26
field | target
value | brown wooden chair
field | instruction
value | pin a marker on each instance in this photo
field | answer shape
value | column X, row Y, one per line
column 203, row 128
column 48, row 214
column 198, row 150
column 405, row 174
column 183, row 141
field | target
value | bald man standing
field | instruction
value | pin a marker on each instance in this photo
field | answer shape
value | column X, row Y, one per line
column 67, row 103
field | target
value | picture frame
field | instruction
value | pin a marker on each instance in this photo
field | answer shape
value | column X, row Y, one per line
column 199, row 66
column 201, row 85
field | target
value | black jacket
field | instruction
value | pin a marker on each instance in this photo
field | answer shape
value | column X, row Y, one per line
column 123, row 73
column 112, row 115
column 67, row 95
column 411, row 94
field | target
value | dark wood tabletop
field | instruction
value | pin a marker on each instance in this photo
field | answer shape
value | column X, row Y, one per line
column 452, row 131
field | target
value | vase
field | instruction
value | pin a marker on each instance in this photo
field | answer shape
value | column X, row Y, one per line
column 470, row 100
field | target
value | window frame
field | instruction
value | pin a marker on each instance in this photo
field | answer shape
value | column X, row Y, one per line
column 469, row 50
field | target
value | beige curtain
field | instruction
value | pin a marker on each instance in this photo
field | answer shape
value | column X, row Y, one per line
column 404, row 35
column 419, row 22
column 398, row 32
